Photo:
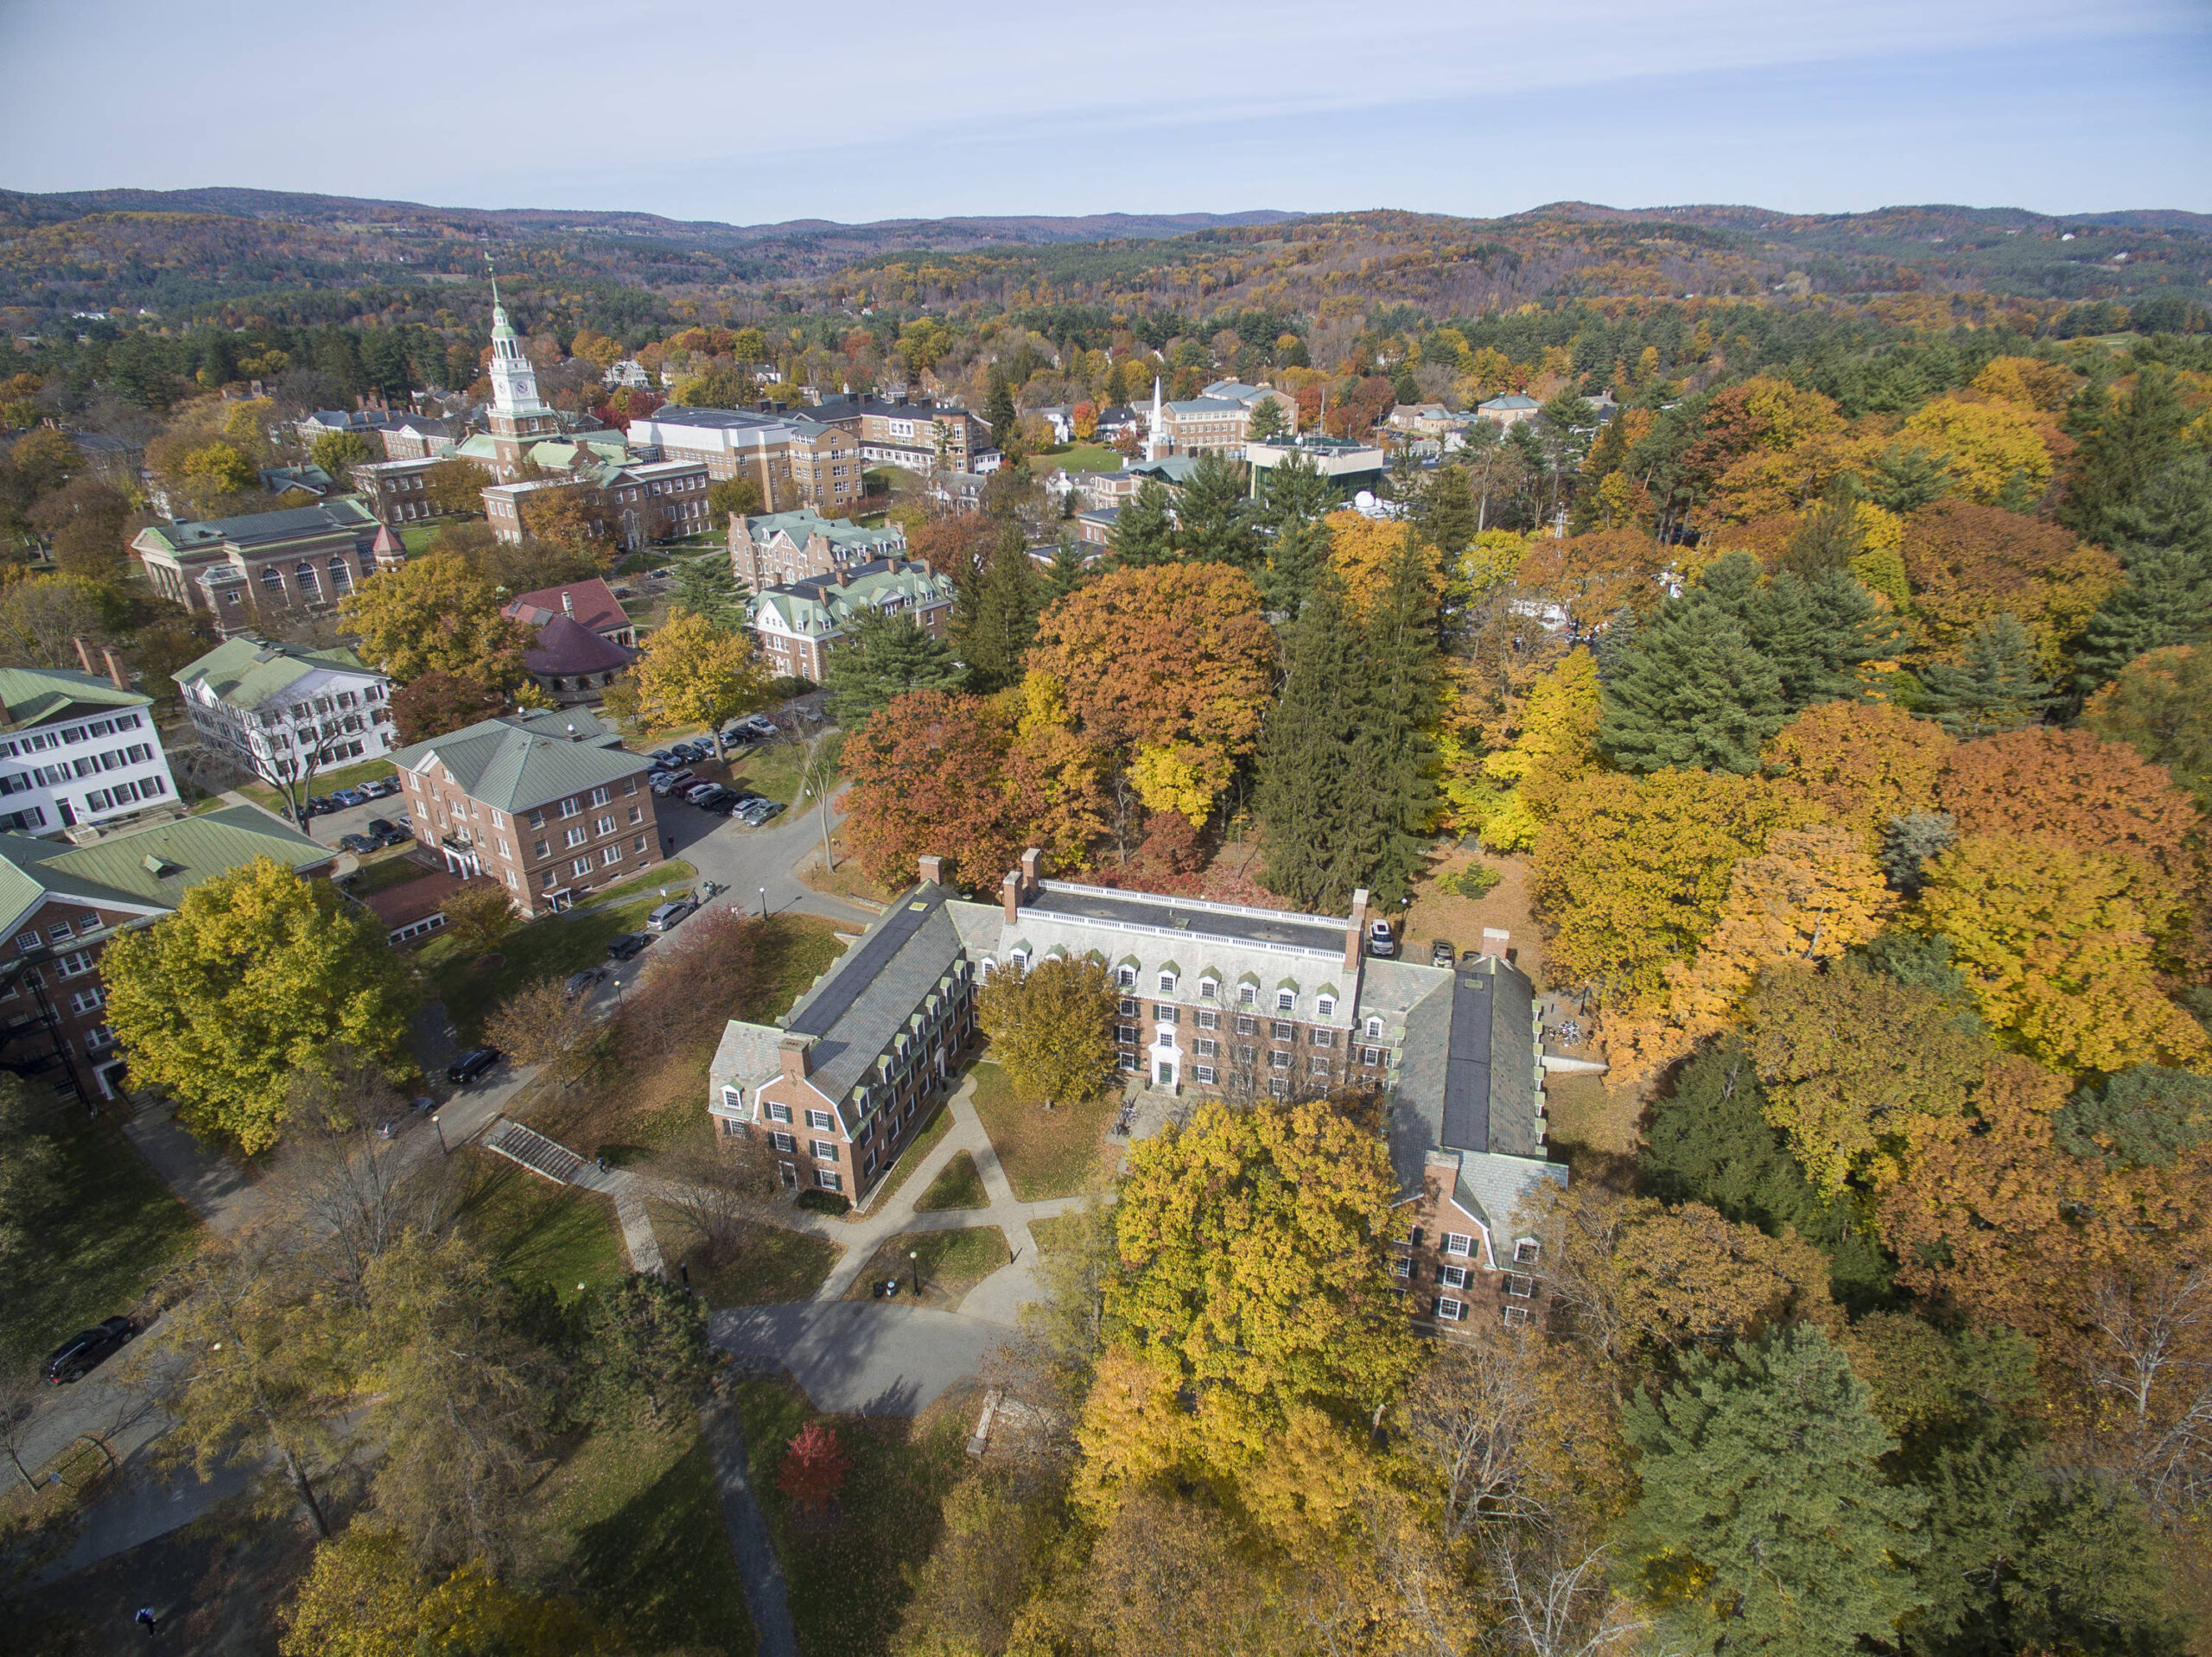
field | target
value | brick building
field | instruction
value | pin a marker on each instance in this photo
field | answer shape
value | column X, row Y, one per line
column 918, row 433
column 797, row 462
column 62, row 904
column 284, row 712
column 770, row 549
column 1213, row 998
column 304, row 561
column 548, row 805
column 797, row 623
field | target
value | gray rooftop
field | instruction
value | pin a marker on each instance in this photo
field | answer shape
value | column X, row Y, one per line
column 1310, row 934
column 518, row 762
column 857, row 1009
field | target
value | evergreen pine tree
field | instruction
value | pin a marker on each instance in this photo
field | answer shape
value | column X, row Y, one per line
column 1295, row 560
column 2167, row 549
column 1404, row 387
column 1910, row 841
column 1007, row 608
column 1817, row 633
column 707, row 587
column 2124, row 446
column 883, row 657
column 1144, row 531
column 1444, row 514
column 1310, row 799
column 1764, row 1520
column 1213, row 519
column 1690, row 691
column 1997, row 687
column 1267, row 421
column 1397, row 760
column 998, row 406
column 1067, row 570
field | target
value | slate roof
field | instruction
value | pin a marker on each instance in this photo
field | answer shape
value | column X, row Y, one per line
column 249, row 672
column 804, row 524
column 858, row 1008
column 344, row 514
column 1206, row 405
column 566, row 646
column 1230, row 922
column 596, row 605
column 745, row 1057
column 147, row 869
column 820, row 604
column 31, row 696
column 517, row 762
column 1511, row 400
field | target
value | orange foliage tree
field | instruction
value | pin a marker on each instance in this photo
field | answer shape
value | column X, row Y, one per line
column 2075, row 789
column 925, row 774
column 1968, row 562
column 1595, row 576
column 1859, row 764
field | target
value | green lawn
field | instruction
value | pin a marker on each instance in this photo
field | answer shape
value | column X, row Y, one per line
column 772, row 1265
column 846, row 1570
column 950, row 1262
column 772, row 770
column 630, row 1526
column 1080, row 457
column 1059, row 1152
column 383, row 871
column 959, row 1186
column 109, row 1232
column 539, row 1232
column 330, row 782
column 557, row 944
column 675, row 874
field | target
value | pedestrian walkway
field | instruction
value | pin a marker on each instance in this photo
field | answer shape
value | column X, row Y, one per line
column 758, row 1569
column 629, row 1193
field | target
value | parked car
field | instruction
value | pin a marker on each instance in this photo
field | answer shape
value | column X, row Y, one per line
column 395, row 837
column 759, row 812
column 317, row 804
column 758, row 728
column 1440, row 953
column 87, row 1349
column 669, row 782
column 721, row 801
column 699, row 791
column 471, row 1064
column 382, row 825
column 662, row 758
column 359, row 845
column 629, row 946
column 1380, row 940
column 664, row 918
column 349, row 797
column 582, row 983
column 382, row 789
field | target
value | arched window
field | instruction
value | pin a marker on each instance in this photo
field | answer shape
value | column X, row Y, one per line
column 342, row 578
column 305, row 579
column 272, row 580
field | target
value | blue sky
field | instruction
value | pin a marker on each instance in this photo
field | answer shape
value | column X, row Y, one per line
column 751, row 112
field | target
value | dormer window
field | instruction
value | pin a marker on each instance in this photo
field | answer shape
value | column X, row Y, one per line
column 1127, row 977
column 1248, row 995
column 1325, row 1005
column 1375, row 1030
column 1168, row 983
column 1208, row 989
column 1286, row 999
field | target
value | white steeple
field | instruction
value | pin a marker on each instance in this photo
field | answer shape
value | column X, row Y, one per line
column 1155, row 440
column 514, row 382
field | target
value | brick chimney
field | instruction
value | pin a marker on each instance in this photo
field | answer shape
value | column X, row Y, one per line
column 793, row 1052
column 1493, row 942
column 84, row 654
column 1030, row 861
column 932, row 868
column 1010, row 894
column 1356, row 930
column 117, row 675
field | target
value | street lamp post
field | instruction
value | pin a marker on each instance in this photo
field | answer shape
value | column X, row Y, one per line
column 435, row 1122
column 764, row 903
column 915, row 1255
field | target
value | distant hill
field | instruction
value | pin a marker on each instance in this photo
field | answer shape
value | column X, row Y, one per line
column 241, row 254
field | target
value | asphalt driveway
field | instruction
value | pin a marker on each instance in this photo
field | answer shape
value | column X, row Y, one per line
column 854, row 1357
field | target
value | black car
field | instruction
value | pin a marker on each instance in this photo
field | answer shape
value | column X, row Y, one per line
column 582, row 983
column 86, row 1351
column 383, row 827
column 628, row 946
column 471, row 1064
column 359, row 844
column 394, row 837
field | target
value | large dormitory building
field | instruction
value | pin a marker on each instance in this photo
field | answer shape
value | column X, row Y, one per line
column 1212, row 998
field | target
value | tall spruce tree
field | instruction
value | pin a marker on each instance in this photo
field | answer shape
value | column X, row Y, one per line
column 1067, row 570
column 1314, row 808
column 1765, row 1523
column 1818, row 633
column 1399, row 758
column 1008, row 604
column 1689, row 692
column 2124, row 446
column 884, row 657
column 707, row 587
column 1144, row 531
column 1296, row 501
column 2166, row 546
column 1213, row 520
column 1997, row 687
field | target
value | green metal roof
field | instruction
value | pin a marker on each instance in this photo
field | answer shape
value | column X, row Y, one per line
column 249, row 672
column 517, row 763
column 150, row 868
column 41, row 695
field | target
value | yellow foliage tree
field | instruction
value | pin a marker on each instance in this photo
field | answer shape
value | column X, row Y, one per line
column 692, row 674
column 2029, row 382
column 1880, row 562
column 2056, row 944
column 1985, row 446
column 1363, row 551
column 1556, row 745
column 1859, row 764
column 436, row 614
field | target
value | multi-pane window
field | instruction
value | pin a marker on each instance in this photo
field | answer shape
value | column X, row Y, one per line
column 1520, row 1286
column 1206, row 1049
column 1127, row 977
column 78, row 961
column 578, row 837
column 600, row 796
column 604, row 826
column 1325, row 1005
column 1286, row 999
column 1248, row 995
column 1375, row 1030
column 1125, row 1034
column 1322, row 1037
column 1128, row 1061
column 1515, row 1316
column 1208, row 1020
column 1248, row 1055
column 1167, row 1015
column 1128, row 1007
column 582, row 865
column 1459, row 1242
column 572, row 807
column 1168, row 983
column 1203, row 1073
column 1282, row 1032
column 784, row 1142
column 1208, row 989
column 1279, row 1059
column 1453, row 1277
column 1245, row 1026
column 819, row 1119
column 610, row 856
column 1526, row 1251
column 1318, row 1064
column 1451, row 1311
column 779, row 1112
column 825, row 1150
column 1371, row 1055
column 824, row 1180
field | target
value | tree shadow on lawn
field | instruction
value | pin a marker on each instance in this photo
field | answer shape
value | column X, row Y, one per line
column 661, row 1566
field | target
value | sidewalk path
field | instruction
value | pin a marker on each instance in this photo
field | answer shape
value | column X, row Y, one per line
column 766, row 1598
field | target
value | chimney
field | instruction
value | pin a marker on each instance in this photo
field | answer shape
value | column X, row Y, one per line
column 568, row 602
column 116, row 676
column 842, row 580
column 84, row 654
column 932, row 868
column 1356, row 930
column 1493, row 942
column 792, row 1052
column 1030, row 860
column 1010, row 894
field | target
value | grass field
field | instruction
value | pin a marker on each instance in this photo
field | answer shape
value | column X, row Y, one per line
column 1079, row 457
column 960, row 1186
column 1060, row 1153
column 773, row 1266
column 630, row 1526
column 384, row 871
column 911, row 1158
column 558, row 944
column 847, row 1569
column 951, row 1263
column 110, row 1230
column 539, row 1232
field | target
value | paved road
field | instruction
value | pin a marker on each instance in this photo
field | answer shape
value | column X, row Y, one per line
column 857, row 1357
column 745, row 860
